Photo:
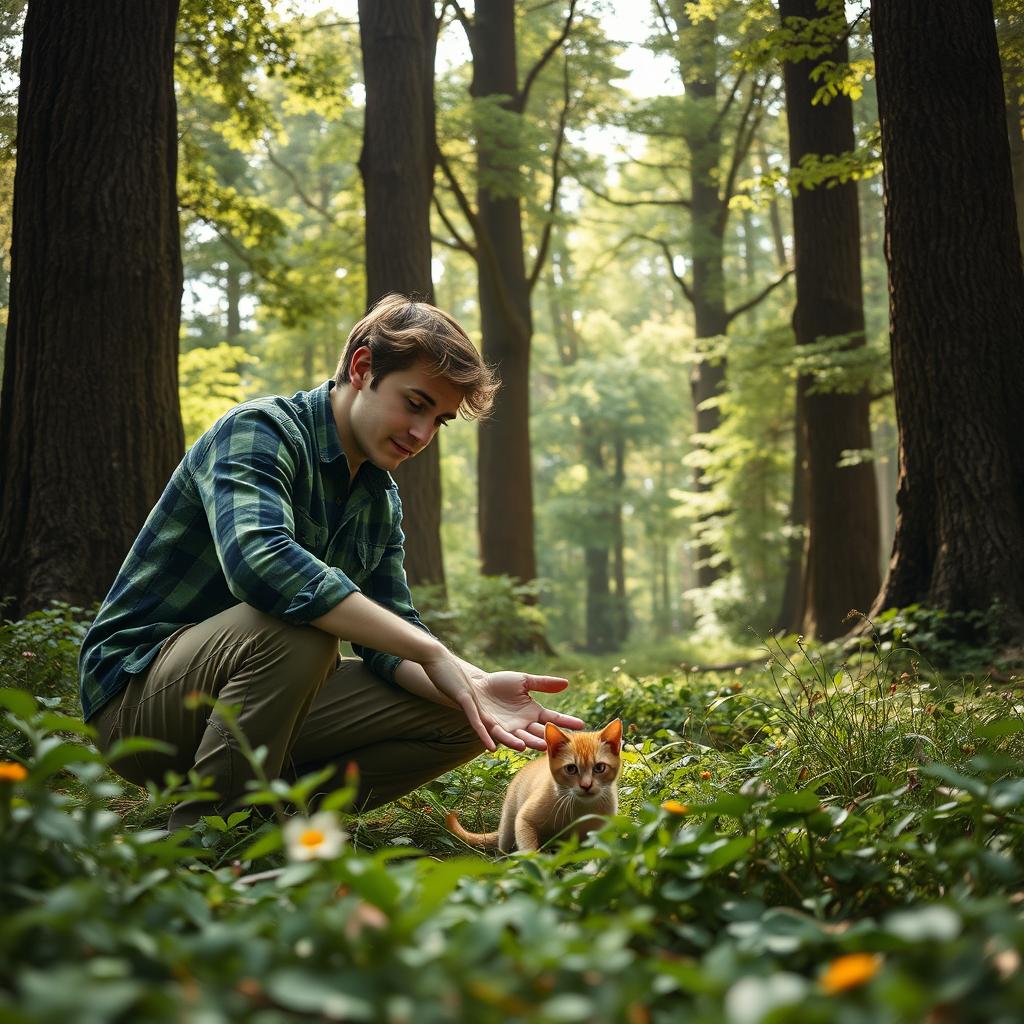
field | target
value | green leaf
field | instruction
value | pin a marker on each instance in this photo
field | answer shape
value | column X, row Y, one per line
column 803, row 802
column 728, row 853
column 59, row 757
column 999, row 728
column 18, row 702
column 269, row 842
column 137, row 745
column 310, row 993
column 935, row 923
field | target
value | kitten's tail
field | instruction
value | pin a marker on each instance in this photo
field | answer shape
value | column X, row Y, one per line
column 486, row 840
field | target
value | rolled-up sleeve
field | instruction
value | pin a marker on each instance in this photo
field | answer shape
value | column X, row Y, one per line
column 389, row 586
column 244, row 481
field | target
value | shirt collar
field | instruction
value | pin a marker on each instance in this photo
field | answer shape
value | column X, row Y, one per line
column 372, row 477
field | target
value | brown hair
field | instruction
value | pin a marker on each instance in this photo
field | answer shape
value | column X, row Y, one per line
column 399, row 331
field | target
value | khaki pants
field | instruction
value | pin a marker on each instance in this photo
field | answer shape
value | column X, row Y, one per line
column 291, row 696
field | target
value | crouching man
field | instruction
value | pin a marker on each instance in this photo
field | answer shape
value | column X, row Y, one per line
column 277, row 535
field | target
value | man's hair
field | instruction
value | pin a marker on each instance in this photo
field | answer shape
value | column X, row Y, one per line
column 399, row 331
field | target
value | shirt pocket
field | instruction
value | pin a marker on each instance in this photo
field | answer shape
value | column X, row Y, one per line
column 369, row 553
column 310, row 534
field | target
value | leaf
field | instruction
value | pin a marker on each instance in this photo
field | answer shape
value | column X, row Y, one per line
column 310, row 993
column 269, row 842
column 935, row 923
column 728, row 853
column 137, row 745
column 18, row 702
column 999, row 728
column 802, row 802
column 59, row 757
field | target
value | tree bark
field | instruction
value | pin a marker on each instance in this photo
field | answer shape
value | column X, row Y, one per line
column 398, row 40
column 707, row 243
column 840, row 564
column 90, row 427
column 1014, row 119
column 505, row 477
column 956, row 301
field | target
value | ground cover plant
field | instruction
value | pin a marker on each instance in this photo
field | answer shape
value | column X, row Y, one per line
column 801, row 839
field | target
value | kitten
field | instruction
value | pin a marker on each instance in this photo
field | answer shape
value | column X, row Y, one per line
column 574, row 785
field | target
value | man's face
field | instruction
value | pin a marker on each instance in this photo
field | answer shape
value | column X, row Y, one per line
column 399, row 418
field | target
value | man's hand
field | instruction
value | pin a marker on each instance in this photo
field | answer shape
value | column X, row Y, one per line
column 451, row 678
column 516, row 719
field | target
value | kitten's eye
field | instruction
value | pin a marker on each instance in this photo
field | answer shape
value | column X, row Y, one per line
column 571, row 769
column 600, row 767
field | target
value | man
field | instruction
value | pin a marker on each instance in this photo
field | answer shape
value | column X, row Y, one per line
column 279, row 534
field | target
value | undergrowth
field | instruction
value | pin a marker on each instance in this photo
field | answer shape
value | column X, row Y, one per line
column 812, row 837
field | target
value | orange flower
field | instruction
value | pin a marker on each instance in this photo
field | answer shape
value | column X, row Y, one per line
column 675, row 807
column 850, row 971
column 705, row 776
column 11, row 771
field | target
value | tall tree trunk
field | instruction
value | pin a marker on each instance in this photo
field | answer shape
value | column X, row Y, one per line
column 956, row 301
column 1015, row 131
column 707, row 244
column 398, row 40
column 505, row 478
column 619, row 541
column 791, row 611
column 841, row 554
column 600, row 604
column 233, row 298
column 90, row 428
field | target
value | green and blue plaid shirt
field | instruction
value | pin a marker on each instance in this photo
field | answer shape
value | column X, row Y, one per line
column 259, row 511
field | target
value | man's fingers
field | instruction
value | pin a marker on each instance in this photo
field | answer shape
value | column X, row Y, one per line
column 505, row 737
column 557, row 718
column 546, row 684
column 533, row 741
column 537, row 729
column 472, row 714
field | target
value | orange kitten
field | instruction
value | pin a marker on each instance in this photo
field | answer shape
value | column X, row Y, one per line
column 574, row 785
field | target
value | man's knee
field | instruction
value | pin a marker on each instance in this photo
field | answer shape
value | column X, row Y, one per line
column 305, row 652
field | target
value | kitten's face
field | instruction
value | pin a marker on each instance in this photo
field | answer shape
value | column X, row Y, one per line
column 585, row 764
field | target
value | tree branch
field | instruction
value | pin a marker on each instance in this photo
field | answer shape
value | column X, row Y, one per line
column 670, row 260
column 556, row 180
column 461, row 17
column 460, row 242
column 759, row 297
column 679, row 201
column 520, row 100
column 299, row 190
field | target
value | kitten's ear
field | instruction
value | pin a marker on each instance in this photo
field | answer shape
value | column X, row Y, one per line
column 555, row 738
column 612, row 734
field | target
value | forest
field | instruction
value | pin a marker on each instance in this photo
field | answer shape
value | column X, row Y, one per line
column 750, row 273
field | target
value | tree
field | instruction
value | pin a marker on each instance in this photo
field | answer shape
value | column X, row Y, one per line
column 840, row 565
column 397, row 164
column 505, row 479
column 956, row 301
column 717, row 130
column 89, row 423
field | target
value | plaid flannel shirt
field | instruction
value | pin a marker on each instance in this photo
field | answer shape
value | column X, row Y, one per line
column 259, row 511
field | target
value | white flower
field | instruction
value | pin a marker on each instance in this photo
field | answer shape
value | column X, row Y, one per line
column 316, row 838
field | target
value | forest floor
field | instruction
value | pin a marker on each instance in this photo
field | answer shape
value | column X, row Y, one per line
column 809, row 836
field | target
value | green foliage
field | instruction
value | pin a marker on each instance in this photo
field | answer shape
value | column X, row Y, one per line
column 487, row 615
column 739, row 883
column 210, row 382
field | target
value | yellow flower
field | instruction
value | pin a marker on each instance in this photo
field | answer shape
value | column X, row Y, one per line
column 316, row 838
column 675, row 807
column 11, row 771
column 850, row 971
